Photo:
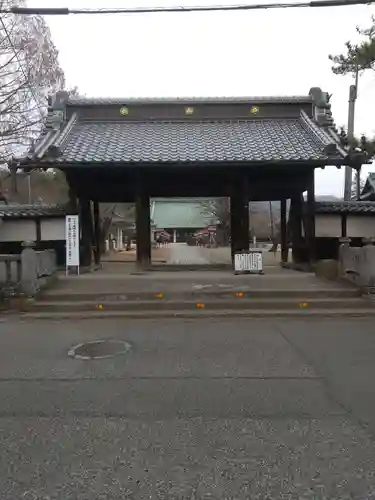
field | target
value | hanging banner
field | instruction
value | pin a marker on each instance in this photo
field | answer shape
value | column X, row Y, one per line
column 72, row 240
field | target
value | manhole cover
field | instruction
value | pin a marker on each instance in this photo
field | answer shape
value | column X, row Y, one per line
column 99, row 349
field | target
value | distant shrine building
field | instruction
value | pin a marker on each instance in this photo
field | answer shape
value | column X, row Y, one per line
column 247, row 149
column 182, row 218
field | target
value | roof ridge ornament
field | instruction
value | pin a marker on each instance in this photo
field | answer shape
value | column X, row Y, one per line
column 57, row 110
column 322, row 107
column 320, row 99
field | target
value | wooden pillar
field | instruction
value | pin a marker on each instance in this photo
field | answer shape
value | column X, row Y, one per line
column 296, row 215
column 343, row 225
column 358, row 184
column 73, row 202
column 97, row 233
column 86, row 231
column 13, row 178
column 239, row 216
column 310, row 217
column 38, row 225
column 283, row 231
column 143, row 228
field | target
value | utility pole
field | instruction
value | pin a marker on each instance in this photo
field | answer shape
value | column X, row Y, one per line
column 353, row 92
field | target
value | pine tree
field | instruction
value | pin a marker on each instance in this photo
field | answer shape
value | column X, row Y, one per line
column 356, row 56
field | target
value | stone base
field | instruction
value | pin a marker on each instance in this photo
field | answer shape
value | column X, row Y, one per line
column 327, row 269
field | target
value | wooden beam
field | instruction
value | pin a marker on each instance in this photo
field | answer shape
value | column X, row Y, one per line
column 264, row 184
column 343, row 225
column 296, row 215
column 310, row 218
column 283, row 231
column 239, row 215
column 87, row 231
column 38, row 226
column 143, row 227
column 97, row 234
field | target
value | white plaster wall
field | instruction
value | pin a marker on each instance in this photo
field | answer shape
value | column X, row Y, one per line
column 52, row 229
column 327, row 226
column 360, row 226
column 18, row 230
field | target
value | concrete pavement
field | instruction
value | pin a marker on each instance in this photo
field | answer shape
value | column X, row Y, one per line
column 114, row 280
column 181, row 254
column 195, row 294
column 197, row 409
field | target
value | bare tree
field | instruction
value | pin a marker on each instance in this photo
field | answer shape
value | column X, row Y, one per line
column 29, row 71
column 218, row 211
column 261, row 222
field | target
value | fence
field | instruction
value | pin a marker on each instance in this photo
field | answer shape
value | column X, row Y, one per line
column 357, row 264
column 28, row 272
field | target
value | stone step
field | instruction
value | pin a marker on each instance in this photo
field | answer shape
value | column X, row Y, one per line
column 196, row 314
column 186, row 305
column 205, row 293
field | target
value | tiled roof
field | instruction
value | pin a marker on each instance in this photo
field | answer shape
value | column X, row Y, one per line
column 179, row 214
column 283, row 131
column 118, row 101
column 31, row 211
column 345, row 207
column 368, row 191
column 187, row 142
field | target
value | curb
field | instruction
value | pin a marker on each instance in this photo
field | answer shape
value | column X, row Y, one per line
column 199, row 314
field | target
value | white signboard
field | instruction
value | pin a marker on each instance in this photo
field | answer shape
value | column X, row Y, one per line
column 248, row 262
column 72, row 240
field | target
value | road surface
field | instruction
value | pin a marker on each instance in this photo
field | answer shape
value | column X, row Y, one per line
column 197, row 409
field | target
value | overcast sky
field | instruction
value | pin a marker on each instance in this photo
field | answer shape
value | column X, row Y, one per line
column 268, row 52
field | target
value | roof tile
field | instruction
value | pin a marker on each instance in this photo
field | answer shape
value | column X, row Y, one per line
column 31, row 211
column 186, row 142
column 342, row 207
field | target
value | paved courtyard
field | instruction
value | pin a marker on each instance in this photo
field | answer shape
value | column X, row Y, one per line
column 196, row 410
column 182, row 254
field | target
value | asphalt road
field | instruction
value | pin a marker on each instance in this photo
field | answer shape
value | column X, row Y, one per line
column 196, row 410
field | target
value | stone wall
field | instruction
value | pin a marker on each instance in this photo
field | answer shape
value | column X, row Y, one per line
column 28, row 272
column 357, row 264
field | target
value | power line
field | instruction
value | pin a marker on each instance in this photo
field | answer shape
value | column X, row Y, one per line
column 62, row 11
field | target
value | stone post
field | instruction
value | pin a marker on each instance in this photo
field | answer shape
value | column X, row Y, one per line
column 29, row 269
column 343, row 250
